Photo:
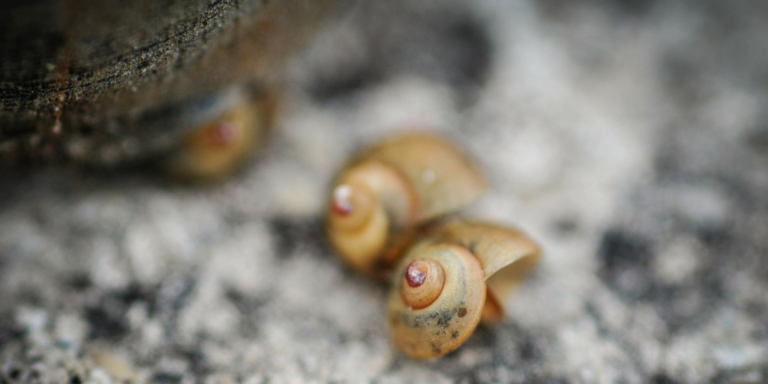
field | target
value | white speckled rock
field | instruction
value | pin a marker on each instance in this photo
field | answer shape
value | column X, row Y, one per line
column 627, row 137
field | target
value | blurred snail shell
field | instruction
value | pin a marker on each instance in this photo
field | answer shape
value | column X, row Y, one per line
column 457, row 275
column 222, row 143
column 379, row 199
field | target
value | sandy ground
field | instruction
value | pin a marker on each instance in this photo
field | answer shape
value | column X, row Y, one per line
column 629, row 138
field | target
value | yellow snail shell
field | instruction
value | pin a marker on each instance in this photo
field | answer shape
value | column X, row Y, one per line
column 480, row 264
column 379, row 199
column 218, row 147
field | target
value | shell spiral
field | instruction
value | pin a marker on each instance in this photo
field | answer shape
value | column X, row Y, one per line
column 456, row 276
column 380, row 198
column 444, row 324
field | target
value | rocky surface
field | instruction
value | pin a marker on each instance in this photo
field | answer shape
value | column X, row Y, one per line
column 629, row 138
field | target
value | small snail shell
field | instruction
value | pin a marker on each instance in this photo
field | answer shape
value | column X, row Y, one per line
column 454, row 311
column 453, row 278
column 379, row 199
column 219, row 146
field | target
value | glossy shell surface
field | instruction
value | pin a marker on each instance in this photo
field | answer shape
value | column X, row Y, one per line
column 415, row 178
column 443, row 325
column 442, row 176
column 507, row 256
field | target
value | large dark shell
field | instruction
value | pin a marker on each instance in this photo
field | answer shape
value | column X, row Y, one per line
column 86, row 72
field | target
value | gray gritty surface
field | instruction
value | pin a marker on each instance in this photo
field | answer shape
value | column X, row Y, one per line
column 629, row 138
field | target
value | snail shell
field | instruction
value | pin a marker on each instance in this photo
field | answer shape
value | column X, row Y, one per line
column 379, row 199
column 221, row 144
column 456, row 276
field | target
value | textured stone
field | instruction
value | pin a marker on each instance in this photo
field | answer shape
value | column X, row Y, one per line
column 627, row 137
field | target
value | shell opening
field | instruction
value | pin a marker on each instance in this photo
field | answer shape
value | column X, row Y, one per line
column 503, row 283
column 424, row 281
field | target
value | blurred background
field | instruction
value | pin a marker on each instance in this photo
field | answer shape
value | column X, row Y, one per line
column 627, row 137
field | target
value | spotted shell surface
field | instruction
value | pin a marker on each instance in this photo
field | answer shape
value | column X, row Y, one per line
column 444, row 325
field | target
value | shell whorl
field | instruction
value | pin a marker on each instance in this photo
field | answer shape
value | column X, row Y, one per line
column 412, row 179
column 424, row 281
column 442, row 325
column 370, row 210
column 506, row 255
column 443, row 177
column 481, row 263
